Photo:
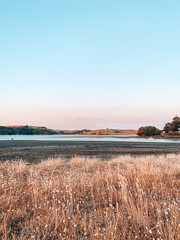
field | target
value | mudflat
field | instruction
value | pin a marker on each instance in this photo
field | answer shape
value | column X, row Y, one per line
column 35, row 151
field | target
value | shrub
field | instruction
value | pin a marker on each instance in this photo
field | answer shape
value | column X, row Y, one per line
column 148, row 131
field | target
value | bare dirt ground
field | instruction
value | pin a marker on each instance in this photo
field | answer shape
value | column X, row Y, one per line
column 35, row 151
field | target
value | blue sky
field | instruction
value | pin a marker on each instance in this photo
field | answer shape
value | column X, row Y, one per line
column 89, row 64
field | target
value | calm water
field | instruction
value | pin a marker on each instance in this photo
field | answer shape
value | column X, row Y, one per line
column 113, row 138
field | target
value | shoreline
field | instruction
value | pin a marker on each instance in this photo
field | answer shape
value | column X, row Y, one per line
column 162, row 137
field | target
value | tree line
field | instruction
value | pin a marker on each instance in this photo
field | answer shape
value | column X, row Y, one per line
column 171, row 128
column 26, row 130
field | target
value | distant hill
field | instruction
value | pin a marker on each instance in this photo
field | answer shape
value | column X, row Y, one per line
column 101, row 132
column 33, row 130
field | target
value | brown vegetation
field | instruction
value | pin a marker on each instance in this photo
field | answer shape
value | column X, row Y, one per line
column 106, row 131
column 126, row 198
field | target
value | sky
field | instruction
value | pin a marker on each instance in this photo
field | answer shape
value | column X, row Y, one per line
column 68, row 64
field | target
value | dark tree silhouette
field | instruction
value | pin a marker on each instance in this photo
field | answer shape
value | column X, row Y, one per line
column 167, row 127
column 148, row 131
column 174, row 126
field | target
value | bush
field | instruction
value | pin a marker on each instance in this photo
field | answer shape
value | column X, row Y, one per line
column 175, row 134
column 148, row 131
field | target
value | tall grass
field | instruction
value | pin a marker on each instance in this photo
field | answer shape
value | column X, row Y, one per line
column 126, row 198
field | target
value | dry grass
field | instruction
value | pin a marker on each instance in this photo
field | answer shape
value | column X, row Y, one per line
column 126, row 198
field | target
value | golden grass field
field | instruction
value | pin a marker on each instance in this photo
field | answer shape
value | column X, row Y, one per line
column 125, row 198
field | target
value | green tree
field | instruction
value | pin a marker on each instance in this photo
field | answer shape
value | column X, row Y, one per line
column 148, row 131
column 174, row 126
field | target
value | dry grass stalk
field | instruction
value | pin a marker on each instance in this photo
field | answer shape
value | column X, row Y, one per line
column 126, row 198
